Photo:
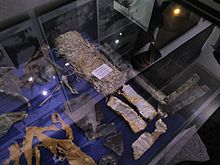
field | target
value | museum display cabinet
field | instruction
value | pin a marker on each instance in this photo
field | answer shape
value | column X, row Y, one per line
column 105, row 81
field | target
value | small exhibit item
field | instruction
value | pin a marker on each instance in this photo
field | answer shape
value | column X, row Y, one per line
column 88, row 62
column 136, row 122
column 185, row 86
column 8, row 119
column 102, row 71
column 68, row 85
column 115, row 143
column 108, row 159
column 144, row 107
column 146, row 140
column 62, row 149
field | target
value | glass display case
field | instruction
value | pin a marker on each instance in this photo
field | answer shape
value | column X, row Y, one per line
column 104, row 81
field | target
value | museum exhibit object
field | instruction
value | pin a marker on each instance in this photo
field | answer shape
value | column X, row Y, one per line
column 107, row 82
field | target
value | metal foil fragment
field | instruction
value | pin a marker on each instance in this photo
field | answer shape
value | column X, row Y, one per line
column 151, row 89
column 136, row 122
column 14, row 154
column 88, row 116
column 108, row 159
column 63, row 149
column 144, row 107
column 9, row 85
column 187, row 97
column 66, row 82
column 185, row 86
column 184, row 95
column 84, row 58
column 146, row 140
column 115, row 143
column 8, row 119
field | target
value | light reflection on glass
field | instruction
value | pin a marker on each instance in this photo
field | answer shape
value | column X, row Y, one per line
column 176, row 11
column 117, row 41
column 67, row 64
column 30, row 79
column 44, row 93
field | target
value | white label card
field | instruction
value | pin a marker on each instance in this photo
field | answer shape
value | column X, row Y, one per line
column 102, row 71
